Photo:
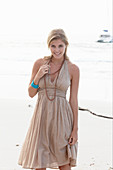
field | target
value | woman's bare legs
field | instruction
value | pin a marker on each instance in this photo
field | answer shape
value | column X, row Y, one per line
column 65, row 167
column 41, row 169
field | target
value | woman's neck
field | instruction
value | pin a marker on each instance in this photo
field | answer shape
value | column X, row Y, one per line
column 57, row 61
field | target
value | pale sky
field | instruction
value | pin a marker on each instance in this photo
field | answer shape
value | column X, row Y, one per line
column 34, row 17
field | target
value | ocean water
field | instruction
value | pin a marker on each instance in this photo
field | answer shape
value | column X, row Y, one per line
column 93, row 59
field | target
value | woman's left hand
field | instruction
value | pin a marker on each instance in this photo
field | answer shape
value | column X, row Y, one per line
column 73, row 138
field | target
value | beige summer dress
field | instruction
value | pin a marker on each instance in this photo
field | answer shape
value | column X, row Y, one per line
column 46, row 143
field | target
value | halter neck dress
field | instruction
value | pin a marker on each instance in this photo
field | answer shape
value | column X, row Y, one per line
column 46, row 142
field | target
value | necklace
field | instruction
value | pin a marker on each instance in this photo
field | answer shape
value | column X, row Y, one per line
column 55, row 82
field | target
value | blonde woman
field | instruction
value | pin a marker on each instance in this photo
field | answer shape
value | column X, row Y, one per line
column 52, row 137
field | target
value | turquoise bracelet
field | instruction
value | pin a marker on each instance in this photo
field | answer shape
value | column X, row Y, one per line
column 34, row 86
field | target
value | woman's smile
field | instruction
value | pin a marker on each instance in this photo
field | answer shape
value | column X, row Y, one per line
column 57, row 54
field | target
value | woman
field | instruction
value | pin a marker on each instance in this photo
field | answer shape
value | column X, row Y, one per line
column 51, row 141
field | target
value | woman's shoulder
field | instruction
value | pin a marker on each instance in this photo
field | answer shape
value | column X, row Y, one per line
column 40, row 62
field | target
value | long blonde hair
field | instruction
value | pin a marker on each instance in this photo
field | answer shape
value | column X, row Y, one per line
column 57, row 34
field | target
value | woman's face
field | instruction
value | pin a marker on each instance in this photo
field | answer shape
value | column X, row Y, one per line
column 57, row 48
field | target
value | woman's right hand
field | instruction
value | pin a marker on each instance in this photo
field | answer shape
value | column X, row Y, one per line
column 43, row 70
column 39, row 70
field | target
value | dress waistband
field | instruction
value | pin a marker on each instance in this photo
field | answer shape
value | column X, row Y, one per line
column 51, row 91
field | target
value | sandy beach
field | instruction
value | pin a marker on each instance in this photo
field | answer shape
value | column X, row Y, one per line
column 95, row 94
column 25, row 26
column 95, row 134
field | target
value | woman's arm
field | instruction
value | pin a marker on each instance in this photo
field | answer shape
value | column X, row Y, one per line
column 38, row 71
column 73, row 100
column 32, row 91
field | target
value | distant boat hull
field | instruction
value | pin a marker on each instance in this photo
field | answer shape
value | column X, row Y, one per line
column 104, row 41
column 105, row 37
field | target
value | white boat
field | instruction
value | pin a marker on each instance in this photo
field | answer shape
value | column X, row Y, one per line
column 105, row 37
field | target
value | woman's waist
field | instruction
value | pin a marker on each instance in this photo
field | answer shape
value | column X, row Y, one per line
column 51, row 92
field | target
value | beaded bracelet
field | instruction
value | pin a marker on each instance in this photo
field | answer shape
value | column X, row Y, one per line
column 34, row 86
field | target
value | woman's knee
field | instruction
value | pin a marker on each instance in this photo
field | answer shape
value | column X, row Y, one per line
column 65, row 167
